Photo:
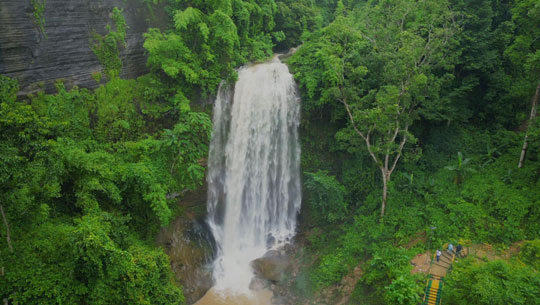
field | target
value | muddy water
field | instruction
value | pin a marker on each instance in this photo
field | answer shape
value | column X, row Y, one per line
column 212, row 297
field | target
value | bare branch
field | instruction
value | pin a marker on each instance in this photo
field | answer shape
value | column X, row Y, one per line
column 395, row 132
column 347, row 107
column 401, row 145
column 365, row 137
column 368, row 144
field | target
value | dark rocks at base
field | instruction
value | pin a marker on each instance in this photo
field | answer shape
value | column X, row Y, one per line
column 258, row 284
column 191, row 249
column 272, row 271
column 283, row 290
column 272, row 266
column 65, row 54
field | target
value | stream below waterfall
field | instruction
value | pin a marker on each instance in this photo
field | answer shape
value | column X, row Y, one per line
column 254, row 190
column 214, row 297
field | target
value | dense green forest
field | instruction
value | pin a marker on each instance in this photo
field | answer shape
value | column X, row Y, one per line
column 418, row 128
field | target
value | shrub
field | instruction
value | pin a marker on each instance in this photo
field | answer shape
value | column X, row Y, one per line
column 326, row 195
column 530, row 253
column 494, row 283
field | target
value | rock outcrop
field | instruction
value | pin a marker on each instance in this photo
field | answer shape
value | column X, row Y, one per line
column 190, row 246
column 65, row 54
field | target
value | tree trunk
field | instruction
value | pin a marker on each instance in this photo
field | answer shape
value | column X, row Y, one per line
column 531, row 117
column 2, row 274
column 8, row 235
column 385, row 178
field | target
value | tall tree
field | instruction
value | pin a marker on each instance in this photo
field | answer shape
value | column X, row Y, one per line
column 379, row 65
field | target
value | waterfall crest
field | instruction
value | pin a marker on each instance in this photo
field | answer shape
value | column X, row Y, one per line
column 254, row 191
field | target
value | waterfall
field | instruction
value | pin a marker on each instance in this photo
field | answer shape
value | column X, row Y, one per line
column 254, row 189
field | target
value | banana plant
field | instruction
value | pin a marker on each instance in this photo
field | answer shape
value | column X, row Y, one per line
column 491, row 155
column 461, row 168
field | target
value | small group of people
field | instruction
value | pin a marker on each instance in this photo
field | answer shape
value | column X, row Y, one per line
column 450, row 250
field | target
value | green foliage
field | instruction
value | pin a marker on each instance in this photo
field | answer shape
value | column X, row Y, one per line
column 293, row 18
column 496, row 282
column 85, row 176
column 331, row 269
column 208, row 40
column 94, row 260
column 404, row 290
column 376, row 69
column 389, row 271
column 345, row 62
column 495, row 204
column 385, row 265
column 523, row 52
column 530, row 253
column 326, row 195
column 38, row 15
column 106, row 47
column 187, row 145
column 477, row 91
column 8, row 89
column 115, row 116
column 97, row 76
column 460, row 168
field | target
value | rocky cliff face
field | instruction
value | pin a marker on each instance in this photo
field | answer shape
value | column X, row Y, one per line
column 37, row 62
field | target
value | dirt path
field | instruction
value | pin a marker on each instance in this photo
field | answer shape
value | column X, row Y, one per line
column 422, row 262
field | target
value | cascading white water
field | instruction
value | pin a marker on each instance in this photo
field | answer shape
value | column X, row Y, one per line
column 254, row 190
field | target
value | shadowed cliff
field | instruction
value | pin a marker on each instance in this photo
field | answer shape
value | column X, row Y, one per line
column 61, row 48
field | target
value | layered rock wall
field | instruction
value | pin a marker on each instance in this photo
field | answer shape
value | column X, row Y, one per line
column 65, row 54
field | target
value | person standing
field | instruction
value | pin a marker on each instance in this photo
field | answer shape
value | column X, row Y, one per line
column 458, row 250
column 438, row 255
column 450, row 248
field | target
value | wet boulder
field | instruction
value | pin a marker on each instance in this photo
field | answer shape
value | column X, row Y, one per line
column 272, row 265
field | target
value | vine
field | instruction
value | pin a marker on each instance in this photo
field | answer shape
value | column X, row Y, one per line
column 38, row 15
column 106, row 47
